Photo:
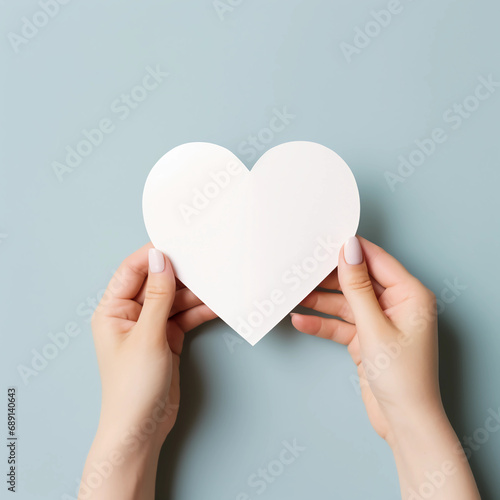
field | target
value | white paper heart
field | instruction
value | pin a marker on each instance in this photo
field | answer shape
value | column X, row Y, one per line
column 251, row 244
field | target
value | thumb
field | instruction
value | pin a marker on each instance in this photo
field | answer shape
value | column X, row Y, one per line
column 357, row 286
column 160, row 292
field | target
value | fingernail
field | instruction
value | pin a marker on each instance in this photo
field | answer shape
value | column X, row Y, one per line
column 353, row 254
column 156, row 261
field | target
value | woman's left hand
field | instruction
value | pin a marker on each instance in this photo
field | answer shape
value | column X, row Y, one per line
column 138, row 330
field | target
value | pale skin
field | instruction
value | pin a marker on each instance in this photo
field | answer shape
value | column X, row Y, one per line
column 388, row 322
column 138, row 331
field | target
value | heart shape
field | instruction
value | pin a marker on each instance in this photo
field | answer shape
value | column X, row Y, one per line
column 251, row 244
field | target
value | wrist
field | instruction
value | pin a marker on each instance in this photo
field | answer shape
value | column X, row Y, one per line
column 417, row 425
column 117, row 467
column 430, row 457
column 426, row 436
column 127, row 441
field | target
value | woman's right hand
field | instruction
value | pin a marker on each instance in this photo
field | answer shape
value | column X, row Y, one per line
column 389, row 323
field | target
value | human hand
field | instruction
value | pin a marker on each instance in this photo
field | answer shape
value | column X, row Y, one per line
column 139, row 329
column 389, row 323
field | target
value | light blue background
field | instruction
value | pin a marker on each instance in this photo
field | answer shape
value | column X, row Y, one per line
column 64, row 239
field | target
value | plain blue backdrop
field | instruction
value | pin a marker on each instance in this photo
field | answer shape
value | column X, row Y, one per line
column 229, row 70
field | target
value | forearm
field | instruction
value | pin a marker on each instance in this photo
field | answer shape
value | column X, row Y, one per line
column 430, row 460
column 114, row 470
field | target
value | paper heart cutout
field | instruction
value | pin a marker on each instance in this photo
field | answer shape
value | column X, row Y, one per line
column 251, row 244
